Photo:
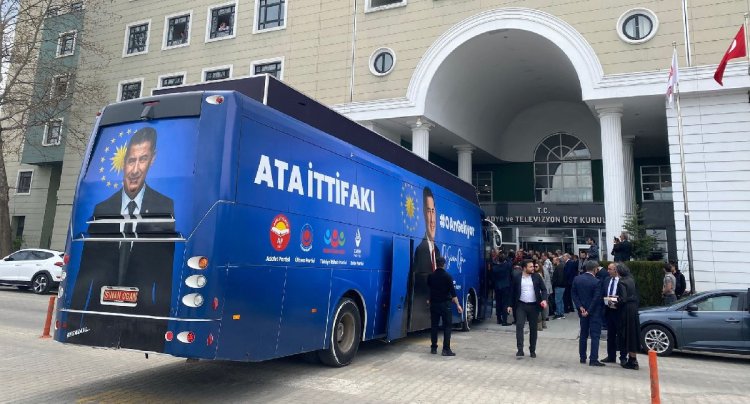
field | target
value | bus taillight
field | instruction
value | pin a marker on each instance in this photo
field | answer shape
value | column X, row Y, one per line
column 66, row 259
column 169, row 336
column 210, row 339
column 216, row 303
column 198, row 262
column 186, row 337
column 196, row 281
column 193, row 300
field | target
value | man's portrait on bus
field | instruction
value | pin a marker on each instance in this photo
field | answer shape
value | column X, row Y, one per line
column 134, row 211
column 425, row 256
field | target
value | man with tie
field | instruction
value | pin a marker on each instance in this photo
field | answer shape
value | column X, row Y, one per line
column 586, row 295
column 425, row 258
column 612, row 315
column 146, row 266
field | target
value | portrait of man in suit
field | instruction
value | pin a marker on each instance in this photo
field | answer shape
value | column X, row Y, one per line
column 425, row 256
column 143, row 269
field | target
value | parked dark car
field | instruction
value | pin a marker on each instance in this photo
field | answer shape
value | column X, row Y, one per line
column 714, row 321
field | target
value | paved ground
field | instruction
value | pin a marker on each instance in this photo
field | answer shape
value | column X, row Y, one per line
column 34, row 370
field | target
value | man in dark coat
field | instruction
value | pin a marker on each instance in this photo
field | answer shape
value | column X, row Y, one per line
column 529, row 296
column 442, row 293
column 627, row 299
column 501, row 275
column 571, row 270
column 609, row 288
column 586, row 295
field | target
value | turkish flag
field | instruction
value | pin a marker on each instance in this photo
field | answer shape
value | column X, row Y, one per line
column 736, row 50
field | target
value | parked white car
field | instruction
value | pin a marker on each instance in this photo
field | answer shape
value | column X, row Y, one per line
column 34, row 268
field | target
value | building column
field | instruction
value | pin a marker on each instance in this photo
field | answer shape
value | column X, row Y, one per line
column 373, row 126
column 464, row 161
column 612, row 161
column 628, row 168
column 420, row 137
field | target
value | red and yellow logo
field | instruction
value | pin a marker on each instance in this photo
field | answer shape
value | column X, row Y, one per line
column 280, row 232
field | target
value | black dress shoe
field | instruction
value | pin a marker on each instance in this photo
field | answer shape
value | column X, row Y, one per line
column 533, row 354
column 519, row 353
column 582, row 360
column 609, row 360
column 448, row 352
column 596, row 363
column 631, row 364
column 433, row 350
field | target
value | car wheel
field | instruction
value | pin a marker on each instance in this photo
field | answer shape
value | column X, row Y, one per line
column 657, row 338
column 345, row 334
column 471, row 303
column 41, row 283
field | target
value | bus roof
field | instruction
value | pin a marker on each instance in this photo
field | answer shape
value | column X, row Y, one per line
column 278, row 95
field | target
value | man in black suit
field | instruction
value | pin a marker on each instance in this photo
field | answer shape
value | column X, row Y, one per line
column 586, row 295
column 502, row 268
column 425, row 259
column 442, row 294
column 529, row 295
column 612, row 316
column 145, row 266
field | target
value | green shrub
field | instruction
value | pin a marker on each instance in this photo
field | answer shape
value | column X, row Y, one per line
column 649, row 276
column 17, row 243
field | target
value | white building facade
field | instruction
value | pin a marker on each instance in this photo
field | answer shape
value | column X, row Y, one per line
column 555, row 110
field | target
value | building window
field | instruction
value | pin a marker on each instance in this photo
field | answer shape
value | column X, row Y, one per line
column 271, row 14
column 172, row 80
column 66, row 43
column 661, row 248
column 178, row 31
column 217, row 73
column 562, row 170
column 136, row 38
column 52, row 132
column 77, row 6
column 130, row 90
column 60, row 86
column 382, row 61
column 656, row 183
column 375, row 5
column 482, row 181
column 637, row 25
column 221, row 22
column 17, row 224
column 23, row 184
column 271, row 67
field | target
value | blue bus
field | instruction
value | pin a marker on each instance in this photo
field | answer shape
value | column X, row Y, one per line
column 248, row 222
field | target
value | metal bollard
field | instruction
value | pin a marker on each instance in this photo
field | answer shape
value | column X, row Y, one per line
column 48, row 321
column 654, row 373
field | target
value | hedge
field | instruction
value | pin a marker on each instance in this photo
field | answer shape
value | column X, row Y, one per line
column 649, row 277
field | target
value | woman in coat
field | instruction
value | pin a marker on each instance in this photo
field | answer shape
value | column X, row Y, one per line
column 627, row 299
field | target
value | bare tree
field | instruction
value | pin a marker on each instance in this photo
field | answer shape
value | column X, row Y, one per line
column 42, row 47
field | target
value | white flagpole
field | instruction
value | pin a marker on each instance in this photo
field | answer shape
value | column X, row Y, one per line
column 688, row 237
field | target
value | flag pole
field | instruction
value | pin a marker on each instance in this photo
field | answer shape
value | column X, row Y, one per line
column 688, row 238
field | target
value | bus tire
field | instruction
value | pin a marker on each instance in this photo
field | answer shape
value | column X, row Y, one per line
column 469, row 310
column 345, row 334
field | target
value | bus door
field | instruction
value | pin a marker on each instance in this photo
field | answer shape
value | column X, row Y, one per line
column 401, row 262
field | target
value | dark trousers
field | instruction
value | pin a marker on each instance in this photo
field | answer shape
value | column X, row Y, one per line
column 441, row 311
column 568, row 299
column 591, row 326
column 526, row 312
column 613, row 331
column 502, row 296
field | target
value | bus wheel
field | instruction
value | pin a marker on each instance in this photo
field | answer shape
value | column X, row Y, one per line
column 346, row 332
column 471, row 304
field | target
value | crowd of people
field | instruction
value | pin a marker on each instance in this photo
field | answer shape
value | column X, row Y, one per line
column 530, row 286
